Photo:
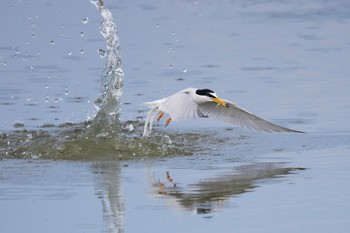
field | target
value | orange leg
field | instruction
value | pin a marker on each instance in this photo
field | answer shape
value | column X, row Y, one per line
column 160, row 116
column 167, row 121
column 169, row 178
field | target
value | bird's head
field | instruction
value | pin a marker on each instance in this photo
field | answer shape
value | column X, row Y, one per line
column 209, row 95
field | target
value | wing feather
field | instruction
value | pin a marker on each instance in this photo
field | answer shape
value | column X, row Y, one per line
column 233, row 114
column 179, row 106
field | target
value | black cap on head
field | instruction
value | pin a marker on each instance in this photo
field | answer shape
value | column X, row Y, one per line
column 205, row 92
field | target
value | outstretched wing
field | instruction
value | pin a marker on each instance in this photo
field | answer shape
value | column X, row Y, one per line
column 233, row 114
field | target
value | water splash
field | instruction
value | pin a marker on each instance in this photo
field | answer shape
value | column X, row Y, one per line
column 105, row 137
column 108, row 102
column 78, row 142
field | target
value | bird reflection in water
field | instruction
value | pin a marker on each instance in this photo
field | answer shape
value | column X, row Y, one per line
column 211, row 195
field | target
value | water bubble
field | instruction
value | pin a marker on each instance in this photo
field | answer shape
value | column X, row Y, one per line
column 47, row 99
column 157, row 25
column 46, row 86
column 66, row 92
column 4, row 63
column 173, row 33
column 184, row 70
column 101, row 52
column 129, row 128
column 28, row 98
column 81, row 51
column 170, row 66
column 52, row 42
column 69, row 53
column 85, row 20
column 81, row 34
column 167, row 140
column 31, row 67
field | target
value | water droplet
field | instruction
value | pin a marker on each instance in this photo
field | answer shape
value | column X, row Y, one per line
column 81, row 34
column 173, row 33
column 46, row 86
column 101, row 52
column 52, row 42
column 47, row 99
column 85, row 20
column 32, row 67
column 28, row 98
column 184, row 70
column 27, row 42
column 157, row 25
column 69, row 53
column 170, row 66
column 66, row 92
column 81, row 51
column 4, row 63
column 129, row 128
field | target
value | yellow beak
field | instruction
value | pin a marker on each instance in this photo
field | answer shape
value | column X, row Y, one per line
column 219, row 101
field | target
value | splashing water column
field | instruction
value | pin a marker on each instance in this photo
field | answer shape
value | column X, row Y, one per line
column 108, row 102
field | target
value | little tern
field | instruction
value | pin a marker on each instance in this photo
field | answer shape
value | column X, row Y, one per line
column 199, row 103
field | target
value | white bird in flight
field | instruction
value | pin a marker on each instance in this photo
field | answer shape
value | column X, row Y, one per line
column 196, row 103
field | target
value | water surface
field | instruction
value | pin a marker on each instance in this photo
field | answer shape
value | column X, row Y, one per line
column 63, row 171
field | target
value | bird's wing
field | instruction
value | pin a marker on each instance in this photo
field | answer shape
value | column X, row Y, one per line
column 231, row 113
column 179, row 106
